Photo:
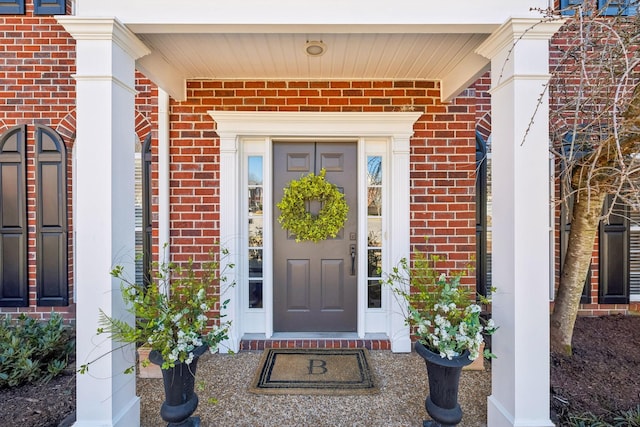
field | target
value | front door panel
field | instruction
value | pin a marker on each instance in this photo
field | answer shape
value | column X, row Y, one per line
column 315, row 284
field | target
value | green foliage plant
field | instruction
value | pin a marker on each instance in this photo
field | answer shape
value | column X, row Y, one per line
column 630, row 418
column 443, row 314
column 305, row 225
column 32, row 350
column 173, row 313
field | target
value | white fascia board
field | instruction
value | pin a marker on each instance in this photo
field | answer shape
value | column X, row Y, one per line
column 278, row 124
column 465, row 73
column 163, row 74
column 304, row 13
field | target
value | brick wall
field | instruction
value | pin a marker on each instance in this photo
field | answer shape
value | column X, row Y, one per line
column 442, row 155
column 37, row 58
column 565, row 87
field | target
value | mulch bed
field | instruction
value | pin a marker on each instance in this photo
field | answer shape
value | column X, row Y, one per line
column 602, row 376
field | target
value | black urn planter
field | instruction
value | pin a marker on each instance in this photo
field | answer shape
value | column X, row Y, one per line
column 444, row 378
column 180, row 398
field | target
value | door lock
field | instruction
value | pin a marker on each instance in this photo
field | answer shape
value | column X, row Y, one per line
column 352, row 249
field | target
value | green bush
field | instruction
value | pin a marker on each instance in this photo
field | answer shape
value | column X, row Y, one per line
column 32, row 350
column 630, row 418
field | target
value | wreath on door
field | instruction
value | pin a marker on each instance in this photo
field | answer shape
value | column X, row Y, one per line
column 294, row 214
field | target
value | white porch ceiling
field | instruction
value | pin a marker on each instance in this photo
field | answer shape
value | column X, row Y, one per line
column 258, row 39
column 282, row 56
column 348, row 56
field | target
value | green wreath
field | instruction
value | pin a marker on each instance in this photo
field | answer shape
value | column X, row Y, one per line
column 304, row 225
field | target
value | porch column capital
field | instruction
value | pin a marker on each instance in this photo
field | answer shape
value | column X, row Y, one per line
column 521, row 268
column 106, row 29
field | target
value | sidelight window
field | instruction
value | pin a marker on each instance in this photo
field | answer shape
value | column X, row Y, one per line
column 255, row 192
column 374, row 231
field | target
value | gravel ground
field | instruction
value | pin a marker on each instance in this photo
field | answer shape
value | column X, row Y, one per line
column 222, row 382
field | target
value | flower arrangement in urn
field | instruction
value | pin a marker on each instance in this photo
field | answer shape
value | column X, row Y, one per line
column 444, row 314
column 172, row 313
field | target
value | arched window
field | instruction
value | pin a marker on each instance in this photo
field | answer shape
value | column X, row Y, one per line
column 13, row 219
column 52, row 285
column 483, row 223
column 147, row 219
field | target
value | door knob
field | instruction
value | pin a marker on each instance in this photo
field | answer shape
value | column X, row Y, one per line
column 353, row 259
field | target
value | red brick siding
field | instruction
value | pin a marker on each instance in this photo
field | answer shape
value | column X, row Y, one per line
column 37, row 58
column 442, row 155
column 566, row 86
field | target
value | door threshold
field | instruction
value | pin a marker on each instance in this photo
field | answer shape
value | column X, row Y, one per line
column 315, row 340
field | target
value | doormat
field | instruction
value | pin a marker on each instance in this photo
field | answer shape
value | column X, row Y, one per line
column 314, row 371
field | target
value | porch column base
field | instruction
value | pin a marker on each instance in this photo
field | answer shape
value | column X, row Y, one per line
column 130, row 416
column 500, row 417
column 401, row 345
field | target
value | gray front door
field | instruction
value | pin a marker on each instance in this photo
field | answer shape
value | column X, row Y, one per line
column 315, row 286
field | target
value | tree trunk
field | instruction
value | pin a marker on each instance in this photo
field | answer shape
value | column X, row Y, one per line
column 587, row 210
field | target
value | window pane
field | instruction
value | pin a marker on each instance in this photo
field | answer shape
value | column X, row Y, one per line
column 374, row 262
column 374, row 170
column 255, row 263
column 255, row 170
column 255, row 294
column 255, row 199
column 255, row 232
column 374, row 294
column 374, row 235
column 374, row 204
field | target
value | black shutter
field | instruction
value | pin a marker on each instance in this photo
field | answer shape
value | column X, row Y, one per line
column 147, row 219
column 565, row 228
column 13, row 219
column 481, row 215
column 614, row 255
column 51, row 219
column 11, row 7
column 617, row 7
column 49, row 7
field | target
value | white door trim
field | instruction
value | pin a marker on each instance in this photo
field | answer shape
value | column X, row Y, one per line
column 233, row 126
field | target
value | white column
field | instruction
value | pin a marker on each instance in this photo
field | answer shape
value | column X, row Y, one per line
column 230, row 220
column 399, row 235
column 104, row 213
column 163, row 178
column 520, row 255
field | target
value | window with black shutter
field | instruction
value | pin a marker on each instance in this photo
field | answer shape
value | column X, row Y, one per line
column 12, row 7
column 49, row 7
column 51, row 219
column 13, row 219
column 147, row 219
column 606, row 7
column 614, row 255
column 483, row 260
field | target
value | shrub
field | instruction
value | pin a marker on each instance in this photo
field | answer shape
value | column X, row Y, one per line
column 32, row 350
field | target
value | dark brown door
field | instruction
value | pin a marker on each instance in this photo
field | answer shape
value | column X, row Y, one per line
column 315, row 284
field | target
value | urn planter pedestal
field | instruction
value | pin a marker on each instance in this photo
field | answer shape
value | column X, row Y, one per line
column 179, row 383
column 444, row 378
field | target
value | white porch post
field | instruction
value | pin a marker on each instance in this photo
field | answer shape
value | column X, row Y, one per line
column 520, row 179
column 103, row 213
column 230, row 234
column 399, row 240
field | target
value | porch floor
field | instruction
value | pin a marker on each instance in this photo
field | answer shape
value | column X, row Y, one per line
column 222, row 383
column 314, row 340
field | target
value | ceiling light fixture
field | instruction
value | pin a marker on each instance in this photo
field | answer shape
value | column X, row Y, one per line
column 315, row 48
